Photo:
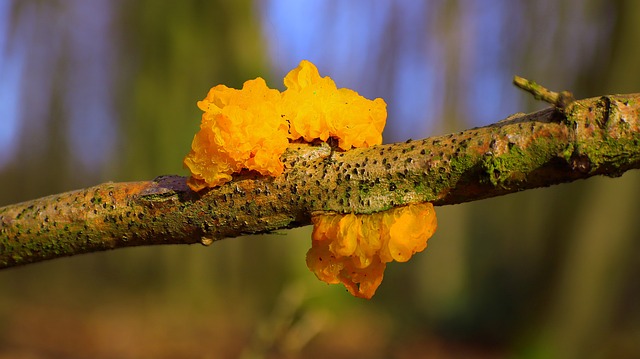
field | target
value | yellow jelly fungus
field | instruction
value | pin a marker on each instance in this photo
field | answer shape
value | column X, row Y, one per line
column 251, row 128
column 240, row 129
column 316, row 108
column 354, row 249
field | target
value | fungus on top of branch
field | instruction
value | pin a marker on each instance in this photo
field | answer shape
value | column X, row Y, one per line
column 250, row 128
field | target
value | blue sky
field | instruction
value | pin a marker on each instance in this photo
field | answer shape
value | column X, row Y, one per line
column 350, row 41
column 398, row 50
column 11, row 65
column 30, row 53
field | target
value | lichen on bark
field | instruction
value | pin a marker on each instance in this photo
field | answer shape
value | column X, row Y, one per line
column 596, row 136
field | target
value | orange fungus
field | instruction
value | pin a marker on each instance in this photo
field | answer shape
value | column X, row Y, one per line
column 240, row 129
column 250, row 128
column 316, row 108
column 354, row 249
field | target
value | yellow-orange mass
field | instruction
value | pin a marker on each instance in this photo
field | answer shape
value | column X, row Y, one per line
column 316, row 108
column 354, row 249
column 250, row 128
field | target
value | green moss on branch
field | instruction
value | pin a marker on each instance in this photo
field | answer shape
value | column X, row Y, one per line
column 598, row 136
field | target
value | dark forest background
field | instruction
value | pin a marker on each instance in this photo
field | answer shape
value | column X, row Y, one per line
column 96, row 91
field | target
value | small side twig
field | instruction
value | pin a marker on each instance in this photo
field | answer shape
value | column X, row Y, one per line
column 560, row 100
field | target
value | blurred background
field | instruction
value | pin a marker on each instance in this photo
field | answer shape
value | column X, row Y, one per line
column 104, row 90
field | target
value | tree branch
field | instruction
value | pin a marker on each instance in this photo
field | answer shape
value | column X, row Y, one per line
column 574, row 140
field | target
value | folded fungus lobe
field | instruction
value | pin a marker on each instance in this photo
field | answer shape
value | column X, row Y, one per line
column 354, row 249
column 250, row 128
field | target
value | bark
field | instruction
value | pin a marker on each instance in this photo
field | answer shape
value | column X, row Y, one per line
column 573, row 140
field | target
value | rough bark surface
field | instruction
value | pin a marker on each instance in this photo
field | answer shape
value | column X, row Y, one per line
column 596, row 136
